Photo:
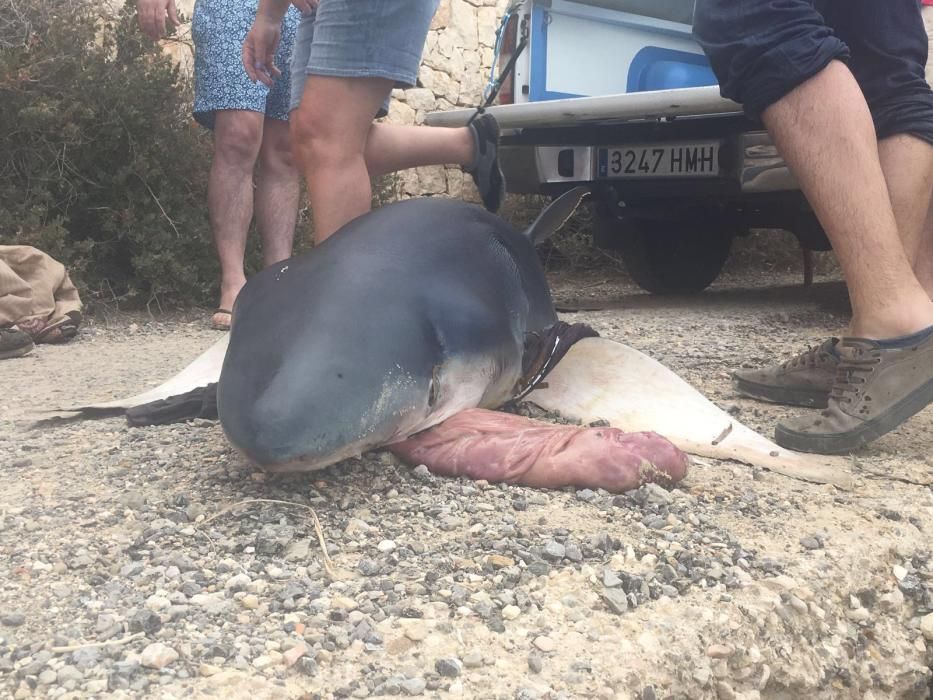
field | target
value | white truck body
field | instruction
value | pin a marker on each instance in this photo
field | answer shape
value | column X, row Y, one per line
column 617, row 95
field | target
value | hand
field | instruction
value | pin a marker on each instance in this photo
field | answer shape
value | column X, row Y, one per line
column 259, row 50
column 152, row 14
column 306, row 6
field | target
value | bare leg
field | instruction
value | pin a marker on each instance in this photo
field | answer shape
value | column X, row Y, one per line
column 907, row 163
column 825, row 133
column 277, row 192
column 340, row 149
column 392, row 147
column 924, row 262
column 806, row 380
column 237, row 139
column 329, row 131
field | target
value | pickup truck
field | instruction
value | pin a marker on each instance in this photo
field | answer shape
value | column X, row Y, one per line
column 616, row 95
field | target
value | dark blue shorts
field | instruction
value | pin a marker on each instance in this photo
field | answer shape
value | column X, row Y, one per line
column 760, row 50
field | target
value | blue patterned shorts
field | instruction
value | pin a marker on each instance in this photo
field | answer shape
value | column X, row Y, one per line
column 220, row 81
column 362, row 39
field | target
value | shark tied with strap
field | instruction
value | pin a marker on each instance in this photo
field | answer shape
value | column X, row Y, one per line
column 419, row 334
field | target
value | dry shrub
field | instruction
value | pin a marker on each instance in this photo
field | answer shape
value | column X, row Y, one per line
column 101, row 164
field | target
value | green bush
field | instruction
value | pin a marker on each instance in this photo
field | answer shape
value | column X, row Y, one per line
column 101, row 164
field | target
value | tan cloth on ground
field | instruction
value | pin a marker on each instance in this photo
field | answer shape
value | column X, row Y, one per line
column 34, row 286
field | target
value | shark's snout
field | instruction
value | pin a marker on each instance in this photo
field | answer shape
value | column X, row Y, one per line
column 310, row 419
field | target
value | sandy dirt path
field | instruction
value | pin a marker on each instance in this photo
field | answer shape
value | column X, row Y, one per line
column 738, row 584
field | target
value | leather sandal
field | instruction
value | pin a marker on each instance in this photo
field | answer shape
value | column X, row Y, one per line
column 221, row 325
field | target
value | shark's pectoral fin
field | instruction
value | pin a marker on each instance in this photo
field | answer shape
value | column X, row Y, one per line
column 600, row 379
column 197, row 403
column 204, row 371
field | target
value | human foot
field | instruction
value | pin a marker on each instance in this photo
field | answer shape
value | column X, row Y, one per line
column 221, row 319
column 60, row 330
column 223, row 315
column 485, row 169
column 907, row 316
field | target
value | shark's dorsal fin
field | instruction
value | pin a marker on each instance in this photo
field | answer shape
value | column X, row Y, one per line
column 555, row 215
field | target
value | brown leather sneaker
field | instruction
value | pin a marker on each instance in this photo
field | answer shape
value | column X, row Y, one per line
column 805, row 380
column 876, row 389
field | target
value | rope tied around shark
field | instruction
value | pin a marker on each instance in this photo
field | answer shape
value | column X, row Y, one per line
column 544, row 350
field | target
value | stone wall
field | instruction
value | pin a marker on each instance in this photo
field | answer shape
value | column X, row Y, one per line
column 455, row 67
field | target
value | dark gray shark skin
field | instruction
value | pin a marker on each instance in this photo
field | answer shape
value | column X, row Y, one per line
column 403, row 318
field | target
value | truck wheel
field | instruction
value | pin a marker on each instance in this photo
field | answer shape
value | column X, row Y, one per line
column 666, row 257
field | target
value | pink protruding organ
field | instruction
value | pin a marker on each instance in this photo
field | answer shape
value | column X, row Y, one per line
column 482, row 444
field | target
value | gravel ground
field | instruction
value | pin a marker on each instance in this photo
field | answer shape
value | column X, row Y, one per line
column 136, row 562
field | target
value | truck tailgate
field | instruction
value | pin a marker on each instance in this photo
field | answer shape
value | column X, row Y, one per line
column 605, row 109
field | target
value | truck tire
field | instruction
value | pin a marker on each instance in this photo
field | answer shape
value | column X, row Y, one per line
column 665, row 257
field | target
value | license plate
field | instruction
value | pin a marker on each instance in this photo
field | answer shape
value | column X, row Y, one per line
column 657, row 160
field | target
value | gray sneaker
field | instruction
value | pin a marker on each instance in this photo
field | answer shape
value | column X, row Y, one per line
column 804, row 380
column 14, row 343
column 875, row 391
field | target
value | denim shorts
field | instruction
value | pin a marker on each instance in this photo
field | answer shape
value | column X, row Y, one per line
column 218, row 29
column 362, row 39
column 760, row 50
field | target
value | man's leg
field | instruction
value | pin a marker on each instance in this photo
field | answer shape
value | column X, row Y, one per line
column 474, row 148
column 329, row 131
column 923, row 267
column 237, row 140
column 387, row 148
column 277, row 192
column 907, row 163
column 825, row 132
column 807, row 378
column 819, row 118
column 781, row 61
column 923, row 264
column 392, row 147
column 340, row 149
column 888, row 50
